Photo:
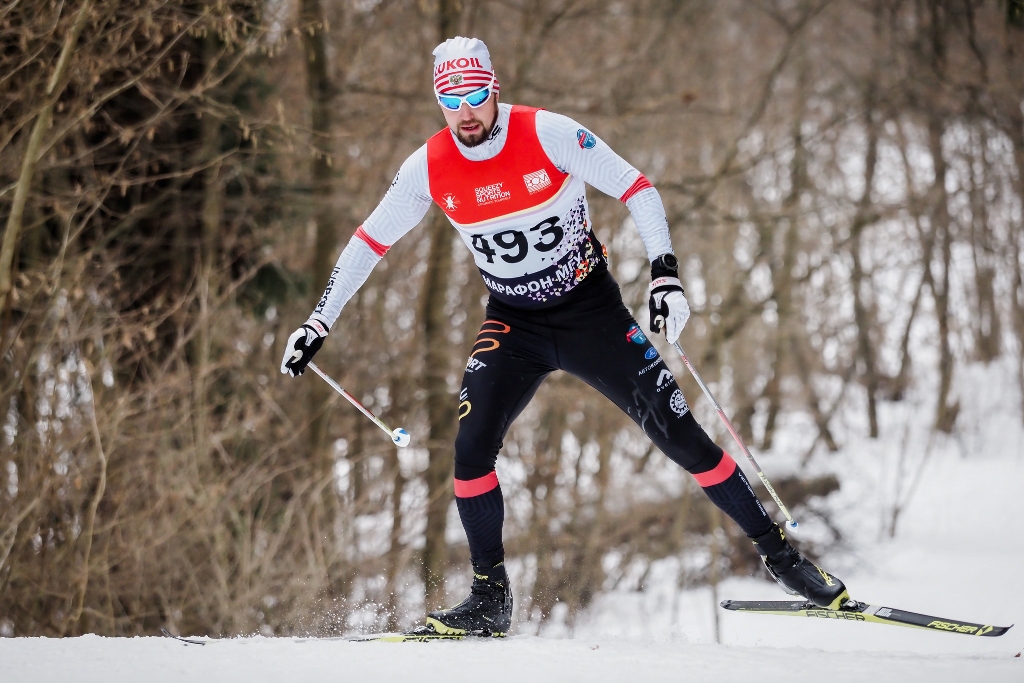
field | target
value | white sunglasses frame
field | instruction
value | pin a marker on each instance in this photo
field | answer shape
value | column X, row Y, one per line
column 489, row 87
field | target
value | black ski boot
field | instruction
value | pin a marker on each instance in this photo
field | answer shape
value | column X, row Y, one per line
column 796, row 574
column 486, row 612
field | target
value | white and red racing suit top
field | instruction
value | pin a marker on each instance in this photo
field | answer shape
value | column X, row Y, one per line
column 518, row 201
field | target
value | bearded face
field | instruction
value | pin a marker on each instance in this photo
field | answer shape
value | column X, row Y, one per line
column 473, row 126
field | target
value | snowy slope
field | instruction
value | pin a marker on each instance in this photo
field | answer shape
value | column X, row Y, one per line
column 91, row 659
column 958, row 552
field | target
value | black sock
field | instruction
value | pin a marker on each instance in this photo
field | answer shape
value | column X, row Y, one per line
column 482, row 510
column 729, row 489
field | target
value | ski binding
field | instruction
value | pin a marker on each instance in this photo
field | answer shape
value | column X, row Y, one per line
column 420, row 634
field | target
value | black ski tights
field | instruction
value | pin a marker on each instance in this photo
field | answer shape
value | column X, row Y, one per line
column 594, row 337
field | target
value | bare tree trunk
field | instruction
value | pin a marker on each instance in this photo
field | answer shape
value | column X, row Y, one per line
column 804, row 366
column 927, row 240
column 546, row 588
column 716, row 556
column 1018, row 313
column 394, row 554
column 211, row 217
column 320, row 91
column 28, row 164
column 858, row 282
column 902, row 379
column 773, row 392
column 589, row 574
column 783, row 285
column 90, row 523
column 986, row 322
column 440, row 407
column 1017, row 248
column 945, row 414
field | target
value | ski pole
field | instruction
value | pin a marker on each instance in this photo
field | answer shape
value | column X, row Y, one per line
column 401, row 437
column 790, row 524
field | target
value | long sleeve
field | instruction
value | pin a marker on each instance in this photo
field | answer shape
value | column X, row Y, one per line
column 401, row 209
column 575, row 150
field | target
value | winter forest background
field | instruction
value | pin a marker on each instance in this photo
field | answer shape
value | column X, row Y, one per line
column 844, row 181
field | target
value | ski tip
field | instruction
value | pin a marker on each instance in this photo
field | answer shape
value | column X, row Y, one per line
column 993, row 631
column 1001, row 630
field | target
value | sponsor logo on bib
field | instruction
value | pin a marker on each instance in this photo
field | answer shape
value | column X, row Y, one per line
column 537, row 181
column 450, row 202
column 491, row 194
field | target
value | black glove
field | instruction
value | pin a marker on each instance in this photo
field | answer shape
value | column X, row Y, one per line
column 302, row 346
column 667, row 303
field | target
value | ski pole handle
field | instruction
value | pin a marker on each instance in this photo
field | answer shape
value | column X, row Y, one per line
column 401, row 437
column 790, row 523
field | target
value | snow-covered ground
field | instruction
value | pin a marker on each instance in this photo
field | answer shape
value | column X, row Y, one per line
column 958, row 552
column 91, row 659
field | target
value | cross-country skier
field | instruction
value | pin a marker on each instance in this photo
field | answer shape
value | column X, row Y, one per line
column 511, row 181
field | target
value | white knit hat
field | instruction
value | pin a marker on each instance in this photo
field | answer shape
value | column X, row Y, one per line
column 462, row 65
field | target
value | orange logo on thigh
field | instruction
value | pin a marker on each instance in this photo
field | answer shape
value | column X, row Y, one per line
column 484, row 344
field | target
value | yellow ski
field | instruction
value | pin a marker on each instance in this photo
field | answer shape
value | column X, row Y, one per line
column 421, row 634
column 861, row 611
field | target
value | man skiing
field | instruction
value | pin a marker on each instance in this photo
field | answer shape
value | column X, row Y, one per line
column 511, row 181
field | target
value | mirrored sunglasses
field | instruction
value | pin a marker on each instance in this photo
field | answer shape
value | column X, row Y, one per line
column 473, row 99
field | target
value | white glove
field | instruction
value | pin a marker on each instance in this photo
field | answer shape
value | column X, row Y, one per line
column 667, row 303
column 669, row 307
column 302, row 346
